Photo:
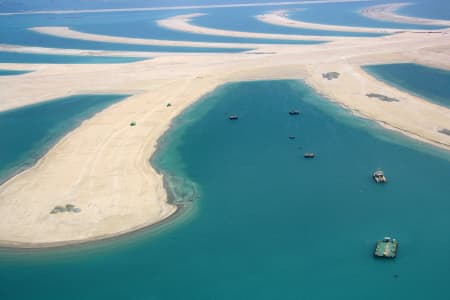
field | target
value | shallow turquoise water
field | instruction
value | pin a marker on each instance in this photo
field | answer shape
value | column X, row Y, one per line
column 28, row 132
column 33, row 58
column 429, row 83
column 268, row 223
column 12, row 72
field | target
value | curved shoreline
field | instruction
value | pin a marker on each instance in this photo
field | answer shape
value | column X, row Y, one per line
column 387, row 12
column 104, row 162
column 281, row 18
column 182, row 23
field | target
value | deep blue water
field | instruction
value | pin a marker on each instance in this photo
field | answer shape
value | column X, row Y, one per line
column 34, row 58
column 12, row 72
column 28, row 132
column 268, row 223
column 429, row 83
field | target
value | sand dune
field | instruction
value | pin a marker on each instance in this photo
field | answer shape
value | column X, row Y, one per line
column 102, row 166
column 386, row 12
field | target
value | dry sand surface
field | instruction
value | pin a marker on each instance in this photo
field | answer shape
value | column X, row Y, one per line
column 281, row 18
column 102, row 166
column 386, row 12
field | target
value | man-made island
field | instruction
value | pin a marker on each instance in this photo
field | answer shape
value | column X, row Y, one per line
column 103, row 165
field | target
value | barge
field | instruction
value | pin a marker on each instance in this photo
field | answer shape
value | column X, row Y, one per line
column 386, row 248
column 379, row 177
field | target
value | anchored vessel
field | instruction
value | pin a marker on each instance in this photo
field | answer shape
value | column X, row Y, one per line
column 309, row 155
column 294, row 112
column 387, row 247
column 379, row 177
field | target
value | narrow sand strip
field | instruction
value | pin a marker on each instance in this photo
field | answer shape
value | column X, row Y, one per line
column 281, row 18
column 66, row 32
column 79, row 52
column 176, row 7
column 102, row 166
column 386, row 12
column 181, row 23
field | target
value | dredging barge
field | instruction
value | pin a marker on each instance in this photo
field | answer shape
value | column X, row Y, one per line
column 386, row 248
column 379, row 177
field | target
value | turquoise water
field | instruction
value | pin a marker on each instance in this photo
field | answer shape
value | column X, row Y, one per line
column 429, row 83
column 12, row 72
column 33, row 58
column 28, row 132
column 347, row 14
column 268, row 223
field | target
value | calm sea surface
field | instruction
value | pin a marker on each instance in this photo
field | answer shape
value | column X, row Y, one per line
column 429, row 83
column 265, row 223
column 34, row 58
column 4, row 72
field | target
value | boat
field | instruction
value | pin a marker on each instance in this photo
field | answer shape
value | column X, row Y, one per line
column 386, row 248
column 379, row 177
column 294, row 112
column 309, row 155
column 233, row 117
column 292, row 137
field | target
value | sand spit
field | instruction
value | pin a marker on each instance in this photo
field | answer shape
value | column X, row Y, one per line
column 137, row 9
column 102, row 167
column 181, row 23
column 66, row 32
column 79, row 52
column 281, row 18
column 386, row 12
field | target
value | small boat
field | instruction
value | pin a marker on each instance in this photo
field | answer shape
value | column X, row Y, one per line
column 387, row 248
column 379, row 177
column 292, row 137
column 294, row 112
column 309, row 155
column 233, row 117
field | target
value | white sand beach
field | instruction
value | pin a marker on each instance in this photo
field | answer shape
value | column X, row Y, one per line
column 102, row 166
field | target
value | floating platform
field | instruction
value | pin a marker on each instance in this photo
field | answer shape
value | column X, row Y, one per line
column 386, row 248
